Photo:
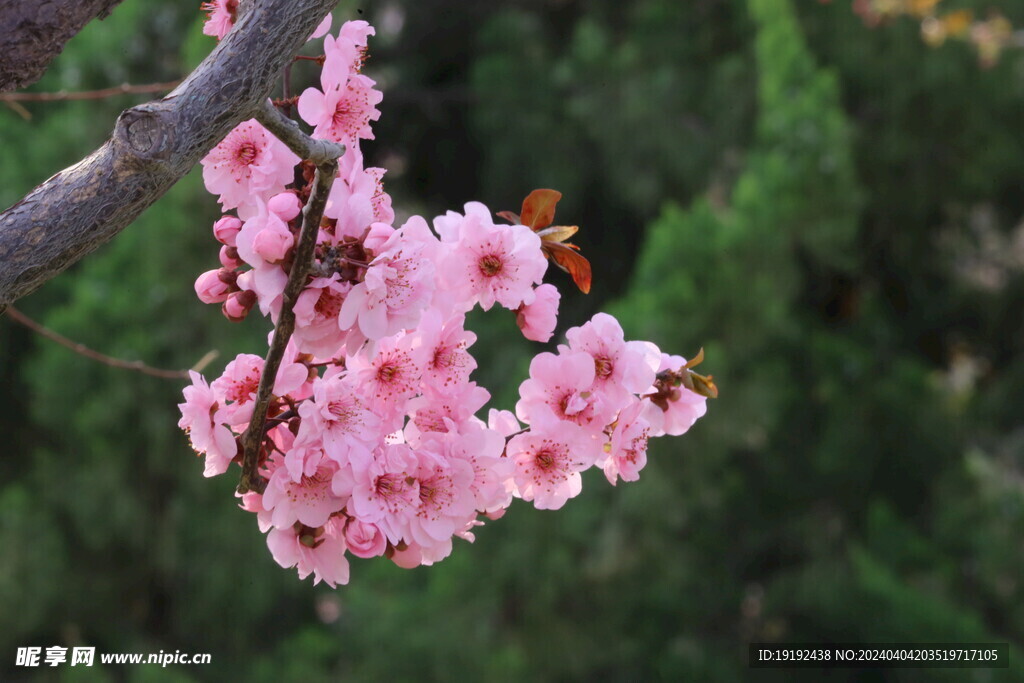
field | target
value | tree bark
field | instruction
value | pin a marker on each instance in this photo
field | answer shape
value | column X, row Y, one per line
column 33, row 32
column 152, row 147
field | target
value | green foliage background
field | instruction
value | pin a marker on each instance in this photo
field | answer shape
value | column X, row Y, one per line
column 833, row 212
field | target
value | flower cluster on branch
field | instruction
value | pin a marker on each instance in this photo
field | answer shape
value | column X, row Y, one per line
column 365, row 440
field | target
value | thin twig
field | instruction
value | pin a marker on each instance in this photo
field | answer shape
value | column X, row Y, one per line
column 312, row 214
column 19, row 110
column 83, row 350
column 286, row 88
column 63, row 95
column 287, row 131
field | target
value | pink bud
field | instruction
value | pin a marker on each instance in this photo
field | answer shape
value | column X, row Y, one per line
column 211, row 289
column 364, row 540
column 286, row 205
column 238, row 305
column 273, row 242
column 229, row 257
column 225, row 230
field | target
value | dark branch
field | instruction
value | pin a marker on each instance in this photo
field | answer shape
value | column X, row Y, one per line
column 153, row 146
column 33, row 32
column 312, row 214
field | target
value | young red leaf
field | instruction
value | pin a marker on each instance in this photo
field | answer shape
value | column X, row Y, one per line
column 510, row 216
column 539, row 208
column 568, row 260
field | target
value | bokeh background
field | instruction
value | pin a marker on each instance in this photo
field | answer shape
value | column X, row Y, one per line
column 833, row 211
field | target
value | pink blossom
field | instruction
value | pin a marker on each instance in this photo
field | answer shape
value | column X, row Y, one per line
column 308, row 499
column 442, row 412
column 241, row 380
column 387, row 492
column 201, row 418
column 249, row 163
column 492, row 263
column 389, row 377
column 621, row 368
column 449, row 362
column 548, row 461
column 351, row 200
column 339, row 416
column 343, row 113
column 446, row 501
column 537, row 318
column 238, row 385
column 320, row 552
column 345, row 55
column 483, row 449
column 316, row 316
column 561, row 387
column 397, row 286
column 628, row 447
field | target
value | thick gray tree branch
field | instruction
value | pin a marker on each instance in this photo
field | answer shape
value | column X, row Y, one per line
column 33, row 32
column 152, row 147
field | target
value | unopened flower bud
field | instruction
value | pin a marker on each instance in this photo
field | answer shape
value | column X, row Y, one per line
column 273, row 242
column 225, row 230
column 211, row 289
column 286, row 205
column 229, row 257
column 238, row 305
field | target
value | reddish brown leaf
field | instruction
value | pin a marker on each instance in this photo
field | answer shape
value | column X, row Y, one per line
column 539, row 208
column 510, row 216
column 568, row 260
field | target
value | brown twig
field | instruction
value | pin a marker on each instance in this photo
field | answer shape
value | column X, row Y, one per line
column 63, row 95
column 312, row 214
column 83, row 350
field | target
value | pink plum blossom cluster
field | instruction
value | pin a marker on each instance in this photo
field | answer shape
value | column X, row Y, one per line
column 373, row 446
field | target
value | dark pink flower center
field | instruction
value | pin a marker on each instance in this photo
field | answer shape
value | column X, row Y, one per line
column 328, row 305
column 545, row 459
column 246, row 153
column 603, row 367
column 242, row 390
column 388, row 485
column 490, row 265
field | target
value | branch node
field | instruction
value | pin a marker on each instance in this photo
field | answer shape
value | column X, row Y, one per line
column 287, row 131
